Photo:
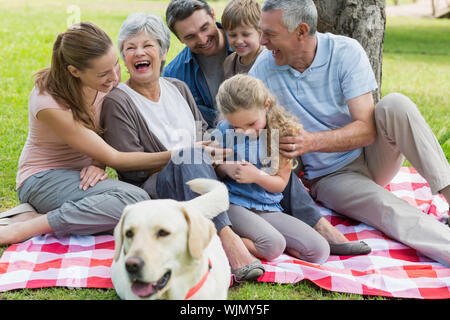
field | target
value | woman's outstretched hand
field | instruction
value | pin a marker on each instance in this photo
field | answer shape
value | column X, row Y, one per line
column 215, row 150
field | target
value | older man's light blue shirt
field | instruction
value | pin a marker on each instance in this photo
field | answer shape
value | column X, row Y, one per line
column 318, row 96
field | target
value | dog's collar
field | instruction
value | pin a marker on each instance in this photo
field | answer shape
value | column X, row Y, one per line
column 197, row 287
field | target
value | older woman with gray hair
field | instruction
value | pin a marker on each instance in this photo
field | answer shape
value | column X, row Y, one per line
column 149, row 113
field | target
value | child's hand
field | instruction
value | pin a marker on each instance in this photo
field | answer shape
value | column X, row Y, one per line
column 228, row 168
column 247, row 173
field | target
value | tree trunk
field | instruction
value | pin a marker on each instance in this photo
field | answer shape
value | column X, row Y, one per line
column 364, row 21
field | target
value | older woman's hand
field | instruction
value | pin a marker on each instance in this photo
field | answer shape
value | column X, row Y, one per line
column 216, row 151
column 90, row 175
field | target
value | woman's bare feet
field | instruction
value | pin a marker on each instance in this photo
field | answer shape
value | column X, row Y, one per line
column 24, row 216
column 234, row 248
column 329, row 232
column 24, row 230
column 339, row 244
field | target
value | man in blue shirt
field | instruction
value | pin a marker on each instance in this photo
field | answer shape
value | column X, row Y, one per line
column 350, row 149
column 200, row 63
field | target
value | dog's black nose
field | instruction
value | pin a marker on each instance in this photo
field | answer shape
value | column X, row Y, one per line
column 134, row 264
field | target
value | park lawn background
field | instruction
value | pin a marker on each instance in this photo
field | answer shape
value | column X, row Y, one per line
column 415, row 62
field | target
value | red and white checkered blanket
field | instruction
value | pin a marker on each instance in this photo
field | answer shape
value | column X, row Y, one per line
column 391, row 269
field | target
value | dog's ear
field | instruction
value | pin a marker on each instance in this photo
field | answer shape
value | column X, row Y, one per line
column 200, row 232
column 118, row 234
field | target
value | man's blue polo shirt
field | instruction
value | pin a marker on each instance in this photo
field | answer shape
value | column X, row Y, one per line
column 185, row 67
column 318, row 96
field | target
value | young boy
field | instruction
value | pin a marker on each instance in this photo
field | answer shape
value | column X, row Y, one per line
column 240, row 20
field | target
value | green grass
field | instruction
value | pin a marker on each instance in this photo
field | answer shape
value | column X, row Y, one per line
column 400, row 2
column 416, row 63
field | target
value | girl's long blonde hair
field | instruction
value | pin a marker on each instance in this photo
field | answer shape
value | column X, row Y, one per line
column 245, row 92
column 78, row 46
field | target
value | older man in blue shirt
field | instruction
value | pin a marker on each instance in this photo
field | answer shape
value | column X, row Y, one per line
column 349, row 148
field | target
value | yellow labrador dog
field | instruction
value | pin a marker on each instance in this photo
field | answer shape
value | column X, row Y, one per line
column 166, row 249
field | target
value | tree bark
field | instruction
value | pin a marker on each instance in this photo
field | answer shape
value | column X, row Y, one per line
column 364, row 21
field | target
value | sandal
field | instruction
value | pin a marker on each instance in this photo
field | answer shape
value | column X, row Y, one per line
column 21, row 208
column 249, row 272
column 5, row 222
column 350, row 248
